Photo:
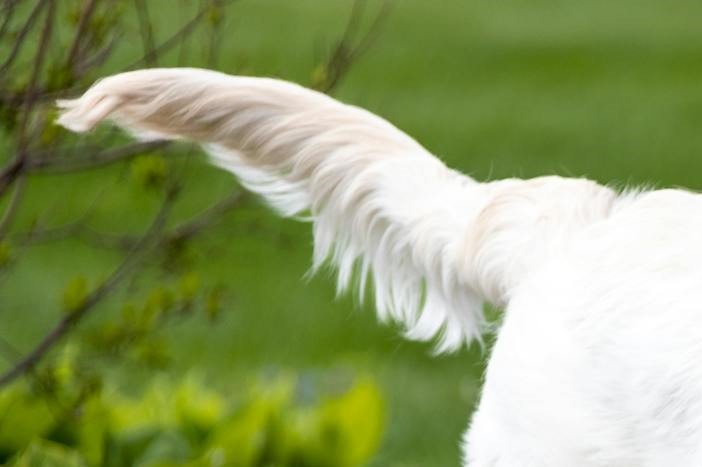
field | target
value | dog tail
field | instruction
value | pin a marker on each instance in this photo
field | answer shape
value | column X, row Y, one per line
column 383, row 207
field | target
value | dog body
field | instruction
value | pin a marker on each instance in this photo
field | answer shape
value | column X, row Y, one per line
column 598, row 361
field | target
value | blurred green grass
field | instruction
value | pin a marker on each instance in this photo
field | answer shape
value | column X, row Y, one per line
column 608, row 90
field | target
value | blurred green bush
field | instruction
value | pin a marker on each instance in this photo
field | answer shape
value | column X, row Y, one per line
column 286, row 421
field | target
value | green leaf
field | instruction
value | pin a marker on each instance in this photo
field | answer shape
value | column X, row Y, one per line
column 213, row 303
column 64, row 368
column 343, row 431
column 93, row 429
column 189, row 286
column 198, row 409
column 189, row 425
column 249, row 438
column 75, row 293
column 149, row 170
column 159, row 301
column 152, row 352
column 352, row 425
column 214, row 15
column 168, row 447
column 23, row 417
column 320, row 76
column 42, row 453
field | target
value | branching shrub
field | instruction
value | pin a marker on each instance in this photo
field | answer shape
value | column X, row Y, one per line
column 59, row 403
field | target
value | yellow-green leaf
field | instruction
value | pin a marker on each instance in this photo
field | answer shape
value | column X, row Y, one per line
column 75, row 293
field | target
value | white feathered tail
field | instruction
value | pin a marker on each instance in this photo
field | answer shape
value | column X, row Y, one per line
column 380, row 203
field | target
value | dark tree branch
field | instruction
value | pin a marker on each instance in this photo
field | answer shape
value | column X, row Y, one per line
column 10, row 172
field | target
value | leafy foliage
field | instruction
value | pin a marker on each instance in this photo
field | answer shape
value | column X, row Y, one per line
column 275, row 424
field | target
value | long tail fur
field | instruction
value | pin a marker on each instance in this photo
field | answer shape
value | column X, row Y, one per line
column 382, row 206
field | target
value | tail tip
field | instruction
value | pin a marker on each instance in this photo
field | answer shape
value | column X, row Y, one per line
column 69, row 118
column 84, row 114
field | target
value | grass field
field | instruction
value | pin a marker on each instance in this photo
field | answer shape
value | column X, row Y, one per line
column 607, row 90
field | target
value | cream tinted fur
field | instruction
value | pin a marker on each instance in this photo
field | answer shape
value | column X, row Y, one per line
column 597, row 361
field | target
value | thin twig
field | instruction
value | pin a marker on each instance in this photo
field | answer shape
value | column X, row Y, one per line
column 99, row 57
column 345, row 53
column 36, row 70
column 147, row 32
column 95, row 159
column 8, row 11
column 375, row 28
column 182, row 51
column 15, row 169
column 352, row 25
column 9, row 352
column 11, row 209
column 207, row 217
column 80, row 230
column 79, row 37
column 175, row 38
column 10, row 172
column 214, row 41
column 40, row 95
column 20, row 40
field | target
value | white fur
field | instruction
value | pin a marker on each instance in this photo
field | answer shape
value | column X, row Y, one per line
column 598, row 362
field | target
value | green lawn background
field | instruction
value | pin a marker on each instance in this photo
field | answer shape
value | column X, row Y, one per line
column 608, row 90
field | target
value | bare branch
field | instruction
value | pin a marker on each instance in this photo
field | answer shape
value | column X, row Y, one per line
column 121, row 241
column 375, row 29
column 98, row 58
column 8, row 351
column 36, row 70
column 176, row 37
column 80, row 230
column 98, row 159
column 69, row 321
column 345, row 53
column 15, row 169
column 11, row 209
column 214, row 40
column 147, row 32
column 354, row 21
column 40, row 95
column 22, row 36
column 8, row 11
column 10, row 173
column 207, row 217
column 79, row 37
